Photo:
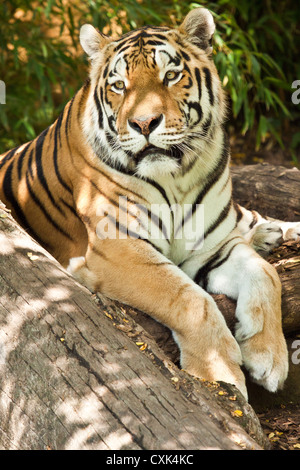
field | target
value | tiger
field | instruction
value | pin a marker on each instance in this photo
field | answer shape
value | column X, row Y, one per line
column 115, row 187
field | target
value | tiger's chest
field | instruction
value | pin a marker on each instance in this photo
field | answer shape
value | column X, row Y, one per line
column 192, row 222
column 178, row 218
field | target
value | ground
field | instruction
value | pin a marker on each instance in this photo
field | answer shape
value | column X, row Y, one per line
column 244, row 150
column 282, row 426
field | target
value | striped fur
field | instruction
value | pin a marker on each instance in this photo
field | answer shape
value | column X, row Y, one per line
column 142, row 140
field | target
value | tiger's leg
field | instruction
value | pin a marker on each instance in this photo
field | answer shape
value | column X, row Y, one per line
column 134, row 273
column 265, row 234
column 239, row 272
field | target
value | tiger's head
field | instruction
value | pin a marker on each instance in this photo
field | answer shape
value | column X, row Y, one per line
column 155, row 96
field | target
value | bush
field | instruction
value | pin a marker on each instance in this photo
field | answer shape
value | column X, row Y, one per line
column 41, row 62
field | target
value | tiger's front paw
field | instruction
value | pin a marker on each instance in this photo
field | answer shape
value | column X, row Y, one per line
column 266, row 361
column 213, row 354
column 267, row 237
column 291, row 231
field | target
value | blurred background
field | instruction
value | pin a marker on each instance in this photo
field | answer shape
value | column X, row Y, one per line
column 256, row 51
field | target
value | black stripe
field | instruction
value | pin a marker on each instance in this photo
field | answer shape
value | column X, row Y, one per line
column 29, row 164
column 153, row 42
column 99, row 109
column 55, row 161
column 125, row 230
column 68, row 118
column 172, row 60
column 206, row 126
column 198, row 80
column 196, row 106
column 222, row 216
column 20, row 160
column 212, row 177
column 216, row 172
column 39, row 166
column 238, row 211
column 111, row 179
column 152, row 244
column 71, row 208
column 44, row 210
column 105, row 71
column 202, row 273
column 254, row 220
column 9, row 156
column 111, row 122
column 214, row 262
column 83, row 91
column 208, row 83
column 20, row 216
column 189, row 85
column 116, row 204
column 67, row 124
column 185, row 55
column 160, row 189
column 155, row 219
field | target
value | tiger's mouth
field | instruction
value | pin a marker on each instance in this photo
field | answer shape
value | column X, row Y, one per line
column 157, row 152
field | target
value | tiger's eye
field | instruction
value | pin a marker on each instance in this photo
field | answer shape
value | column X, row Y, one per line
column 119, row 85
column 171, row 75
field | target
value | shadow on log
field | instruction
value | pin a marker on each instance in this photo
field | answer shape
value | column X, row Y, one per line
column 74, row 374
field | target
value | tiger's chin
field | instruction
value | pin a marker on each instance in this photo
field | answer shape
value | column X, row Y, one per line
column 154, row 166
column 153, row 161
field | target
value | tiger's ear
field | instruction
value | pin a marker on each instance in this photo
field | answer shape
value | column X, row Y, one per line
column 91, row 40
column 199, row 25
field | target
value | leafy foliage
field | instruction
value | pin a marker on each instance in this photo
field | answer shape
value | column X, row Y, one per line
column 42, row 65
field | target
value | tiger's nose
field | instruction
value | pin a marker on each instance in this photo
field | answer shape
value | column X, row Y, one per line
column 145, row 124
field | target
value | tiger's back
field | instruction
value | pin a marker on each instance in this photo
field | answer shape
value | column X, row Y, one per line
column 36, row 184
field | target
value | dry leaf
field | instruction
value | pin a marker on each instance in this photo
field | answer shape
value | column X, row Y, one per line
column 237, row 413
column 31, row 256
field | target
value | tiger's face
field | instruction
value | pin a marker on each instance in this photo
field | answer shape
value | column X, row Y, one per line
column 156, row 96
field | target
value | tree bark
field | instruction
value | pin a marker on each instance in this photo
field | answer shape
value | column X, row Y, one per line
column 78, row 373
column 271, row 190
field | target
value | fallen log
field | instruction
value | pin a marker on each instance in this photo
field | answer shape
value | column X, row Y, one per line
column 79, row 371
column 271, row 190
column 76, row 372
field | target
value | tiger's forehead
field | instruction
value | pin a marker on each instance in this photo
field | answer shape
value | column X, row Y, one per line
column 151, row 47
